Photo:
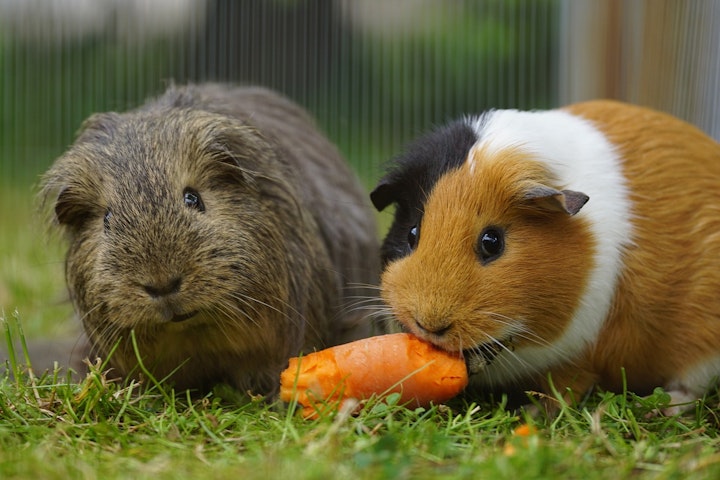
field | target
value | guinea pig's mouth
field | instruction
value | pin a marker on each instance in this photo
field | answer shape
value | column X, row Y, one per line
column 181, row 317
column 482, row 356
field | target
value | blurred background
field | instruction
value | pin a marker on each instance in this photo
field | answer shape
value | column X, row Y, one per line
column 375, row 73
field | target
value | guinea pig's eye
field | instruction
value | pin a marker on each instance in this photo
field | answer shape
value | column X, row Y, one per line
column 192, row 199
column 413, row 236
column 491, row 244
column 106, row 219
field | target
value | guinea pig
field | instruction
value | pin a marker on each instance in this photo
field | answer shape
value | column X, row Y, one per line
column 573, row 248
column 217, row 230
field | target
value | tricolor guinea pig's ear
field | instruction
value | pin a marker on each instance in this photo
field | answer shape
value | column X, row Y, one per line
column 550, row 199
column 383, row 194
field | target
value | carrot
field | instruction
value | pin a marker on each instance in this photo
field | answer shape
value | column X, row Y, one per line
column 523, row 434
column 400, row 362
column 525, row 430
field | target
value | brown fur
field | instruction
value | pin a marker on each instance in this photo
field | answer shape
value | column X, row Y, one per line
column 271, row 266
column 666, row 316
column 664, row 322
column 476, row 301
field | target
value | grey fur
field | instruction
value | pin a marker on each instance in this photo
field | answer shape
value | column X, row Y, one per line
column 286, row 243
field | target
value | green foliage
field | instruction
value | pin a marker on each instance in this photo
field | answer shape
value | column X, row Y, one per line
column 52, row 428
column 46, row 91
column 368, row 90
column 468, row 58
column 31, row 265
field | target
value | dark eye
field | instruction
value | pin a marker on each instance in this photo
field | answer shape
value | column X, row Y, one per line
column 192, row 199
column 413, row 235
column 106, row 220
column 491, row 244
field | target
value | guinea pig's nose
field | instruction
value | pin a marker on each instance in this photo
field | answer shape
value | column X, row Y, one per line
column 435, row 327
column 162, row 289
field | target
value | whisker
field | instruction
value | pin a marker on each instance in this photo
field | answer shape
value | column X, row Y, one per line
column 368, row 307
column 360, row 306
column 294, row 316
column 250, row 313
column 221, row 316
column 357, row 285
column 508, row 365
column 519, row 330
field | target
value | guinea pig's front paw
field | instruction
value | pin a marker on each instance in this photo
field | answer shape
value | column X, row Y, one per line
column 680, row 401
column 479, row 358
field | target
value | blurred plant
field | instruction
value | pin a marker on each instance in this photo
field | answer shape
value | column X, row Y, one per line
column 372, row 87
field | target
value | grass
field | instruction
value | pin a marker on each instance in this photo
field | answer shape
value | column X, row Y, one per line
column 31, row 265
column 53, row 428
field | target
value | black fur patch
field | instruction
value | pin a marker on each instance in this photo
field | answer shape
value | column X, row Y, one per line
column 412, row 176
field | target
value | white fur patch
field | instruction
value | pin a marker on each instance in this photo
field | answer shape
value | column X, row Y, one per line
column 697, row 379
column 582, row 159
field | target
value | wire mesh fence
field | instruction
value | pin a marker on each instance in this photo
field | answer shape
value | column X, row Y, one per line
column 374, row 73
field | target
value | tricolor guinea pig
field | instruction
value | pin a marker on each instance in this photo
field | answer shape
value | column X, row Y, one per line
column 580, row 245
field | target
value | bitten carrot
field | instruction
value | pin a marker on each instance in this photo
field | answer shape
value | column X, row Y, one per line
column 399, row 362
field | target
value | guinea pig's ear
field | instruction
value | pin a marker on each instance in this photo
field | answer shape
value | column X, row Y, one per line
column 69, row 208
column 548, row 198
column 98, row 124
column 233, row 144
column 383, row 195
column 64, row 207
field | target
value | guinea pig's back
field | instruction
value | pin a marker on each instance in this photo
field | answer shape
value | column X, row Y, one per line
column 331, row 189
column 332, row 193
column 672, row 262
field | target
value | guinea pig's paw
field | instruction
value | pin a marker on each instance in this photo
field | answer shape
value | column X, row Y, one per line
column 542, row 406
column 480, row 357
column 681, row 401
column 476, row 363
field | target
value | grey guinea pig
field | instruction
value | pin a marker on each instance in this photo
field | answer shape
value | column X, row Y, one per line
column 218, row 225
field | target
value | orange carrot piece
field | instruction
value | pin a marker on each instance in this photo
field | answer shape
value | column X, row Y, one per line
column 525, row 430
column 399, row 362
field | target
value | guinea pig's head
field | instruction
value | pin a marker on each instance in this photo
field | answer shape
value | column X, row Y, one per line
column 182, row 230
column 486, row 253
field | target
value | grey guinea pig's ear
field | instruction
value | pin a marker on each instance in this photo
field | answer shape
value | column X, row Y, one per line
column 102, row 124
column 547, row 198
column 383, row 194
column 70, row 208
column 64, row 207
